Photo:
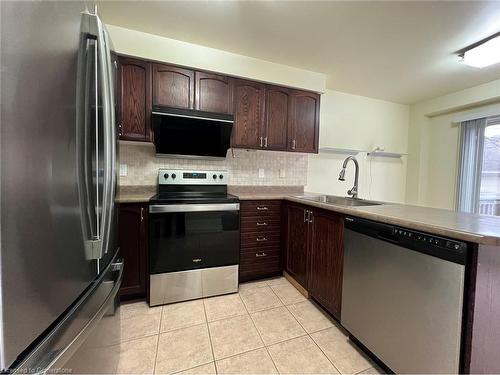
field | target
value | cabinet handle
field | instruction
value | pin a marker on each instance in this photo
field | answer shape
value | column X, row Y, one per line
column 262, row 208
column 196, row 260
column 305, row 215
column 261, row 142
column 310, row 216
column 261, row 224
column 260, row 255
column 120, row 129
column 293, row 144
column 265, row 142
column 142, row 214
column 261, row 239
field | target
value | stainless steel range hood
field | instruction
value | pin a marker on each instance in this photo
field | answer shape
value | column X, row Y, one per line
column 188, row 133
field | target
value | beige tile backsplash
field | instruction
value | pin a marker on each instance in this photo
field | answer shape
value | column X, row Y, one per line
column 143, row 165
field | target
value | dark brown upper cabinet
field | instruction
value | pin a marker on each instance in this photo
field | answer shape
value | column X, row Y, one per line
column 278, row 111
column 326, row 259
column 134, row 87
column 173, row 86
column 304, row 123
column 249, row 101
column 214, row 92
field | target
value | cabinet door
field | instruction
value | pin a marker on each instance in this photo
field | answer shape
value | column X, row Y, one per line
column 277, row 117
column 173, row 87
column 133, row 239
column 304, row 122
column 249, row 99
column 326, row 260
column 297, row 244
column 134, row 113
column 214, row 93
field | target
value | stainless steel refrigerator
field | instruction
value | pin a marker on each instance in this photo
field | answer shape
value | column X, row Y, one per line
column 59, row 266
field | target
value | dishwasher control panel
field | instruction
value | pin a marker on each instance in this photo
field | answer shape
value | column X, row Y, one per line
column 441, row 247
column 426, row 238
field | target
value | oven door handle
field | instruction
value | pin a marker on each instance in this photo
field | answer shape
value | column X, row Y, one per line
column 160, row 208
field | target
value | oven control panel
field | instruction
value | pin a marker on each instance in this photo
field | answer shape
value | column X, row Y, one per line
column 189, row 177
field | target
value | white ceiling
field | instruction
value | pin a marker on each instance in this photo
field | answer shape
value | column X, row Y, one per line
column 398, row 51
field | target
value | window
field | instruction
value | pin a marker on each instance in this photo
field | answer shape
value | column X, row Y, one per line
column 479, row 169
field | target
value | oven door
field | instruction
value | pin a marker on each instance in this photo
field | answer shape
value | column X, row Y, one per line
column 193, row 236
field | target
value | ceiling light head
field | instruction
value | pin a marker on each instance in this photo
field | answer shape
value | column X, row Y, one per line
column 483, row 54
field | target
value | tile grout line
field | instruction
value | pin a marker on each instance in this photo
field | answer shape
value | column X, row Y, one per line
column 312, row 339
column 260, row 336
column 263, row 343
column 210, row 337
column 158, row 340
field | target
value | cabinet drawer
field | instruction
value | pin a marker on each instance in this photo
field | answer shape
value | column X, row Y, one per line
column 260, row 224
column 263, row 239
column 260, row 208
column 255, row 254
column 260, row 263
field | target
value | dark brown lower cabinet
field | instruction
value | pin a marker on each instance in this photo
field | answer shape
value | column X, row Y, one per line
column 314, row 253
column 326, row 259
column 260, row 248
column 133, row 240
column 297, row 233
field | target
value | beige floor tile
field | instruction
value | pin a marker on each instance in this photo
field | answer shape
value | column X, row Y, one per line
column 130, row 310
column 234, row 336
column 277, row 325
column 254, row 362
column 341, row 351
column 137, row 356
column 252, row 285
column 288, row 294
column 209, row 368
column 310, row 316
column 300, row 356
column 139, row 321
column 373, row 371
column 183, row 349
column 183, row 314
column 281, row 280
column 257, row 299
column 224, row 307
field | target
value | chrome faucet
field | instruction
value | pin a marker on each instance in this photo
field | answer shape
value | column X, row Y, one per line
column 354, row 190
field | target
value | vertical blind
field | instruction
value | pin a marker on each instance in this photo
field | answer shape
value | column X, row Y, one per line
column 470, row 164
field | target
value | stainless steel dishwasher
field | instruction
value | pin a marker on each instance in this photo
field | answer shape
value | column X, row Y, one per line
column 402, row 295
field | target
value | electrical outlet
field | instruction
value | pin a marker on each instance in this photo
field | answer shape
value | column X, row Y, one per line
column 123, row 170
column 282, row 173
column 262, row 174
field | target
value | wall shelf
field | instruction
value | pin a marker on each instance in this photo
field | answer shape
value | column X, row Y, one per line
column 336, row 150
column 385, row 154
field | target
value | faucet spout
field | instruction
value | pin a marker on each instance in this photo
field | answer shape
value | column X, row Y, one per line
column 354, row 190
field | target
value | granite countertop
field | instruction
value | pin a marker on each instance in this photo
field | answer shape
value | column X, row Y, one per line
column 481, row 229
column 135, row 194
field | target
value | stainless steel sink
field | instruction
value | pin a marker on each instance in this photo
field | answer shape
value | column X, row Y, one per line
column 339, row 201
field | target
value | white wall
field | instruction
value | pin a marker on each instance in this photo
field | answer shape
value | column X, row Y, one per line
column 357, row 122
column 149, row 46
column 434, row 142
